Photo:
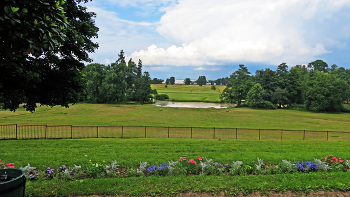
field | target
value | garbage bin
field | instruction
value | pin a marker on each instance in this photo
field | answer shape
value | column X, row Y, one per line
column 12, row 183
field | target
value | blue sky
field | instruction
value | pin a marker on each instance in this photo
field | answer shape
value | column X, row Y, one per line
column 190, row 38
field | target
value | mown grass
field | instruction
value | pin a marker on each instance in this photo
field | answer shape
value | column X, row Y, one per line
column 148, row 115
column 190, row 93
column 129, row 152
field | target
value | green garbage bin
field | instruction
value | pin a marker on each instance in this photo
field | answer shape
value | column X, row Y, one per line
column 12, row 183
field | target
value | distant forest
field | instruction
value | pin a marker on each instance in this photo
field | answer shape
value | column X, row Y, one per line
column 315, row 87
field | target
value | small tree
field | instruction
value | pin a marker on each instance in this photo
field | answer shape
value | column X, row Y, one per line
column 187, row 81
column 213, row 87
column 172, row 80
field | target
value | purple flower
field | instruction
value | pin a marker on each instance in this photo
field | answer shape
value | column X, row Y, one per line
column 63, row 167
column 31, row 176
column 226, row 165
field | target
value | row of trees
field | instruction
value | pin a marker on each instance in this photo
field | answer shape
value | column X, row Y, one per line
column 202, row 80
column 118, row 82
column 314, row 87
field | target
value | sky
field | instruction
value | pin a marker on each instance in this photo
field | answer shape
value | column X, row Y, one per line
column 191, row 38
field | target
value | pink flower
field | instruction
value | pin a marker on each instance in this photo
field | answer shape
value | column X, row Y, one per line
column 331, row 155
column 327, row 163
column 11, row 167
column 2, row 163
column 10, row 164
column 184, row 155
column 189, row 161
column 341, row 160
column 200, row 158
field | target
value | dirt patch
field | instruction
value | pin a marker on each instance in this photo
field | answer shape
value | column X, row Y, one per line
column 254, row 194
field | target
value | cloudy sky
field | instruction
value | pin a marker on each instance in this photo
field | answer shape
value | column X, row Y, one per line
column 190, row 38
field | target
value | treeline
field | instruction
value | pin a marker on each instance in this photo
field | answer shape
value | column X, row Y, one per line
column 315, row 87
column 118, row 82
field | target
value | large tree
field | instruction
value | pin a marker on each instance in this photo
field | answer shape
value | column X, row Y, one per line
column 325, row 92
column 202, row 80
column 239, row 85
column 319, row 65
column 58, row 36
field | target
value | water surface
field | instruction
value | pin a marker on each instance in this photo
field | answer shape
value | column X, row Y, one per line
column 191, row 104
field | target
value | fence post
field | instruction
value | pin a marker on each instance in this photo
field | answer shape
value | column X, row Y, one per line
column 122, row 132
column 281, row 133
column 327, row 135
column 45, row 130
column 304, row 135
column 145, row 132
column 214, row 133
column 236, row 133
column 71, row 132
column 168, row 131
column 97, row 132
column 191, row 132
column 259, row 134
column 16, row 132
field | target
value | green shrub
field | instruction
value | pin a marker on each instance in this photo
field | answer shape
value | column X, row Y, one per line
column 161, row 97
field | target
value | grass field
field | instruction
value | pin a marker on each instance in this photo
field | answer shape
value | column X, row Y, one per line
column 129, row 152
column 190, row 93
column 147, row 115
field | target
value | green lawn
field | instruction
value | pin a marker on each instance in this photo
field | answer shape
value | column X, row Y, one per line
column 191, row 93
column 129, row 152
column 148, row 115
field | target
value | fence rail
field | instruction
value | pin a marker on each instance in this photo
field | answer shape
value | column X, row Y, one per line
column 16, row 131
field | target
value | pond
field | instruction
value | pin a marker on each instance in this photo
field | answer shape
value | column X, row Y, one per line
column 192, row 104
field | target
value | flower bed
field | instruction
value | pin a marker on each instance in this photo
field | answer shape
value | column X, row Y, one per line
column 185, row 166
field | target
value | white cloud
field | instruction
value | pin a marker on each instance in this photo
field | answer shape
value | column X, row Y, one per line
column 158, row 68
column 265, row 31
column 199, row 68
column 116, row 34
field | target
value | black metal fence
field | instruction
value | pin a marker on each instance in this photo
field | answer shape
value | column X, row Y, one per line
column 15, row 131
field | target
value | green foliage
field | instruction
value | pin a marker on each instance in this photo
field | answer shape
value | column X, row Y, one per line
column 326, row 92
column 213, row 87
column 161, row 97
column 318, row 65
column 154, row 91
column 238, row 86
column 117, row 82
column 172, row 80
column 202, row 80
column 143, row 89
column 38, row 28
column 255, row 98
column 167, row 81
column 60, row 32
column 187, row 81
column 157, row 81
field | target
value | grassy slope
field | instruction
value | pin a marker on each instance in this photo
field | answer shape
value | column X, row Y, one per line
column 147, row 115
column 54, row 153
column 192, row 93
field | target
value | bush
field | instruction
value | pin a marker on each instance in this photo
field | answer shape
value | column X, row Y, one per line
column 154, row 91
column 213, row 87
column 161, row 97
